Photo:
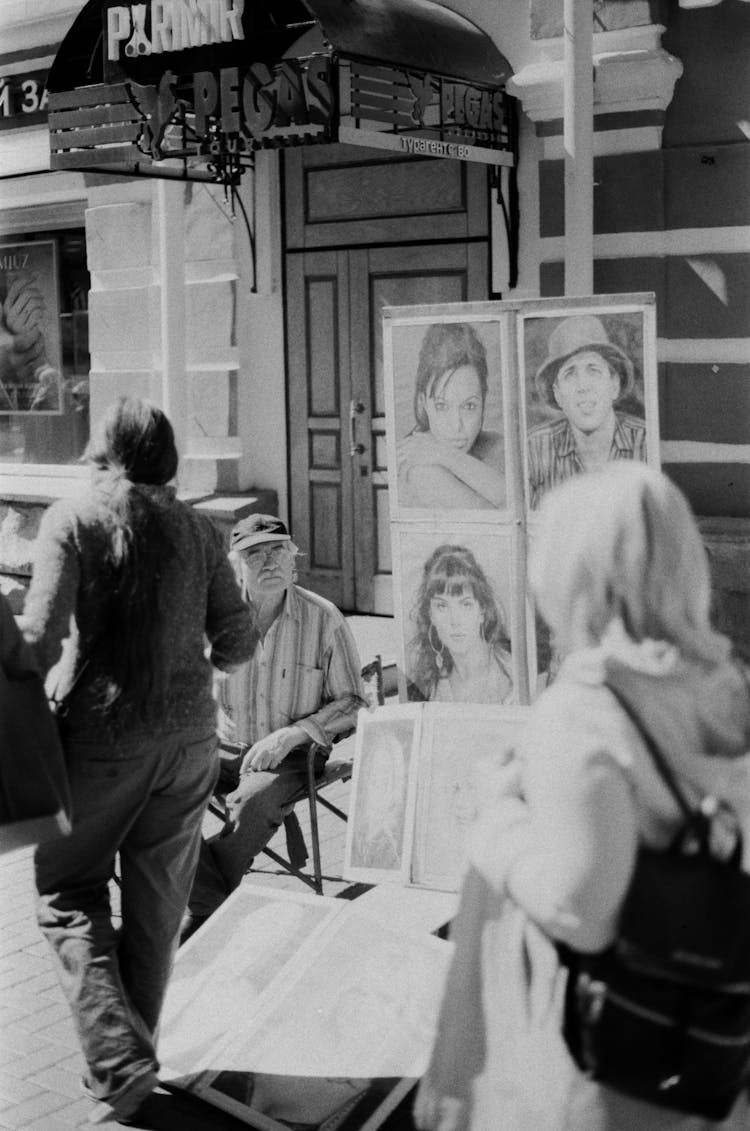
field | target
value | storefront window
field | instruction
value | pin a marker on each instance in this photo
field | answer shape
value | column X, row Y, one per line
column 44, row 350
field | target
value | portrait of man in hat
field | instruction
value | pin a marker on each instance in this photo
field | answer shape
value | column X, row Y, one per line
column 588, row 381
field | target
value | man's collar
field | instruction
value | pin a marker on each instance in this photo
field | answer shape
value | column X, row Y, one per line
column 565, row 442
column 291, row 602
column 289, row 606
column 621, row 440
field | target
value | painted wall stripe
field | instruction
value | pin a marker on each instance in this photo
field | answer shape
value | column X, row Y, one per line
column 695, row 451
column 684, row 241
column 618, row 120
column 708, row 351
column 610, row 143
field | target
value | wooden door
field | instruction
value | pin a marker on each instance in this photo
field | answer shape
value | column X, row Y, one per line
column 334, row 298
column 339, row 475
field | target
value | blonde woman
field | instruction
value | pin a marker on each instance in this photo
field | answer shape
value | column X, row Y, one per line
column 621, row 576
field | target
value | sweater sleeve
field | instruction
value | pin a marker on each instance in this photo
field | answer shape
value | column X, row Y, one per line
column 51, row 599
column 230, row 622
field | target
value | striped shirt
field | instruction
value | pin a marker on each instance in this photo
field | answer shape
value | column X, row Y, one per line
column 553, row 456
column 306, row 672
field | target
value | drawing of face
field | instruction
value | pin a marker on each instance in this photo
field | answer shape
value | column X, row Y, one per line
column 458, row 620
column 586, row 388
column 454, row 407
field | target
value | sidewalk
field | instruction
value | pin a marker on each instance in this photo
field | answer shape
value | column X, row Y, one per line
column 40, row 1065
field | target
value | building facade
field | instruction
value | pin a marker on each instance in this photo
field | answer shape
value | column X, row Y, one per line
column 253, row 316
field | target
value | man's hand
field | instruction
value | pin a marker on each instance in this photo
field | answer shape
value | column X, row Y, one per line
column 267, row 753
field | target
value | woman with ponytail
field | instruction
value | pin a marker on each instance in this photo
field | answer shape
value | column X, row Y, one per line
column 129, row 584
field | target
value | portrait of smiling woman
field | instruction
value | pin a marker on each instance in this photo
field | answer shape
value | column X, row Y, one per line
column 460, row 652
column 449, row 459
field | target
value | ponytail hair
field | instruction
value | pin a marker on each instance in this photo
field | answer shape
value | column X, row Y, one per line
column 134, row 450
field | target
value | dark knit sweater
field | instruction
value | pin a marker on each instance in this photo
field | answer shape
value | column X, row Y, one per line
column 66, row 604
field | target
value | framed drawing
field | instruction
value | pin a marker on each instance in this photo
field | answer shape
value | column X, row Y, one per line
column 223, row 970
column 456, row 617
column 463, row 750
column 288, row 1009
column 380, row 825
column 446, row 420
column 364, row 1007
column 589, row 378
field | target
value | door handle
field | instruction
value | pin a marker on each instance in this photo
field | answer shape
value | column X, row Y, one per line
column 355, row 448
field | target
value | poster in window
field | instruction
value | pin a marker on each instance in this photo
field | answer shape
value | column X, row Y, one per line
column 30, row 354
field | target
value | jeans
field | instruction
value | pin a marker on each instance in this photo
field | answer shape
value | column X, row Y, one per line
column 146, row 800
column 256, row 806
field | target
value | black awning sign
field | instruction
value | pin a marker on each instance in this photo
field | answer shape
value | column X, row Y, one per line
column 172, row 25
column 265, row 105
column 208, row 82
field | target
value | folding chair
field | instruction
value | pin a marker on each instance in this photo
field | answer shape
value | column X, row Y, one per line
column 336, row 768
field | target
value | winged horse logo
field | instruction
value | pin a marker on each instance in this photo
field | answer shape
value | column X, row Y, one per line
column 157, row 106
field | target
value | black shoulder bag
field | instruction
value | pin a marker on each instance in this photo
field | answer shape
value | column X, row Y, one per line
column 664, row 1013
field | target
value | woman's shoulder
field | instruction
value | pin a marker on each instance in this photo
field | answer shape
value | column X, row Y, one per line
column 65, row 516
column 574, row 722
column 196, row 525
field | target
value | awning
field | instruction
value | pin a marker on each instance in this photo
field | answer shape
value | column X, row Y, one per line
column 205, row 83
column 410, row 33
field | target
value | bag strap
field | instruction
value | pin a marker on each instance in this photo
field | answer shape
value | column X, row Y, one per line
column 665, row 770
column 58, row 705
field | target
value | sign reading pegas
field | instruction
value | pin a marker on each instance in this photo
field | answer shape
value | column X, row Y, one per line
column 265, row 103
column 171, row 25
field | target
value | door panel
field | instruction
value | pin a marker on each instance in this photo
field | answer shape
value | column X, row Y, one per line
column 340, row 511
column 391, row 276
column 343, row 195
column 391, row 231
column 319, row 393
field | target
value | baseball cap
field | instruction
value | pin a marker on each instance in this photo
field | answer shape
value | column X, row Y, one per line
column 258, row 528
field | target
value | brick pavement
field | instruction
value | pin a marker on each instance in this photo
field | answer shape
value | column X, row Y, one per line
column 40, row 1065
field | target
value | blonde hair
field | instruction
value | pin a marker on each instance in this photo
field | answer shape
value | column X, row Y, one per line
column 622, row 544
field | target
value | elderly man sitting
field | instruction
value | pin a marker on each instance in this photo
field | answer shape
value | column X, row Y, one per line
column 303, row 685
